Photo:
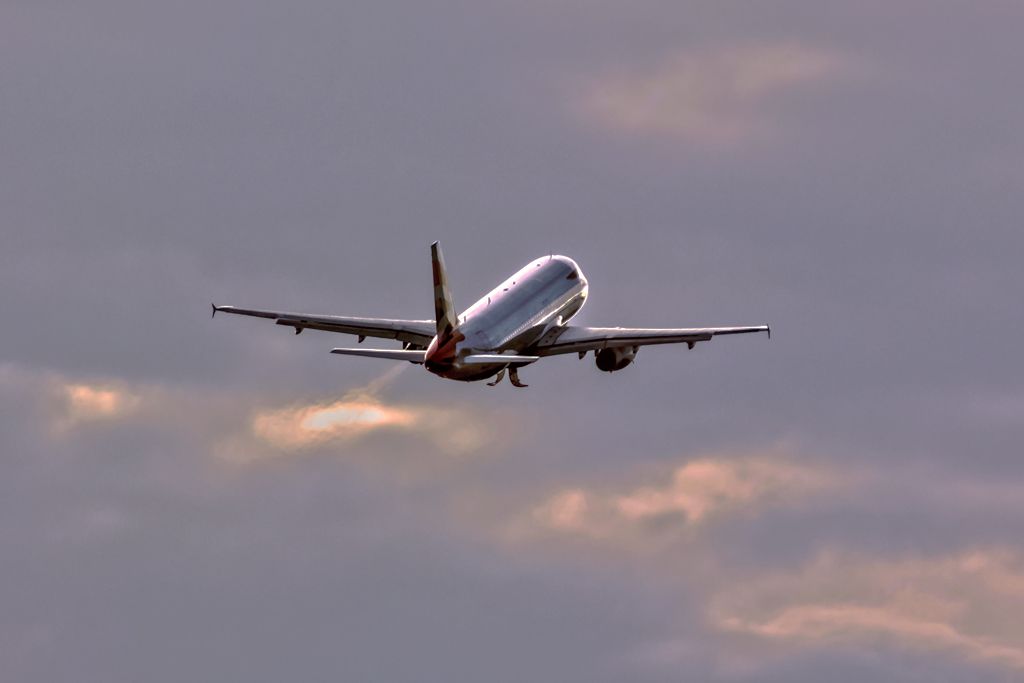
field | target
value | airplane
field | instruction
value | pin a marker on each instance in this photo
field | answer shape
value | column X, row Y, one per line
column 517, row 323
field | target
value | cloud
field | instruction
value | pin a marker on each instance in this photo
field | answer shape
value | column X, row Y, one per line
column 715, row 97
column 704, row 487
column 688, row 496
column 91, row 402
column 305, row 426
column 566, row 511
column 245, row 428
column 361, row 412
column 968, row 603
column 358, row 413
column 68, row 403
column 300, row 427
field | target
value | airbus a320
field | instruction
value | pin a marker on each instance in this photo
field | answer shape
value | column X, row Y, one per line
column 517, row 323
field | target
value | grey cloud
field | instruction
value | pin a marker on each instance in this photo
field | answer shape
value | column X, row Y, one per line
column 303, row 155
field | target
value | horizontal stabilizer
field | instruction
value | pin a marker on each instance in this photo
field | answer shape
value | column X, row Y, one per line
column 492, row 358
column 391, row 354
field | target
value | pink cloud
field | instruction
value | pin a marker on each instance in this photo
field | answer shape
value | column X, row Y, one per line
column 81, row 402
column 308, row 425
column 694, row 492
column 246, row 428
column 968, row 604
column 715, row 97
column 707, row 486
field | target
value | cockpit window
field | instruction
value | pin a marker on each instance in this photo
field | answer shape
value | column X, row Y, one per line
column 573, row 275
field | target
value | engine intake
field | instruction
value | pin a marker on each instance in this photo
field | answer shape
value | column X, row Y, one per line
column 615, row 358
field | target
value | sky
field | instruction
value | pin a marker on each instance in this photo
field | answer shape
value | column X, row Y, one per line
column 219, row 500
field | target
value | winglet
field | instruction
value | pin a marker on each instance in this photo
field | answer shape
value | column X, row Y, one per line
column 769, row 331
column 444, row 309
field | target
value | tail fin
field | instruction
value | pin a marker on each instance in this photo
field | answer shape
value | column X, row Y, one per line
column 444, row 309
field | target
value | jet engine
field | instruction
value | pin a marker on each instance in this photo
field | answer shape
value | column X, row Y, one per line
column 615, row 358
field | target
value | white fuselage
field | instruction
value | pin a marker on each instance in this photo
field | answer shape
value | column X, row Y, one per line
column 541, row 296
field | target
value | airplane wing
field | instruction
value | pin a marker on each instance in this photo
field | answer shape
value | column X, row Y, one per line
column 417, row 333
column 582, row 339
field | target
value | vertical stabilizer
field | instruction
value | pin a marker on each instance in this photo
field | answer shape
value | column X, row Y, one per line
column 444, row 309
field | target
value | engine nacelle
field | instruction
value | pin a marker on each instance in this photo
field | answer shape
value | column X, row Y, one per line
column 615, row 358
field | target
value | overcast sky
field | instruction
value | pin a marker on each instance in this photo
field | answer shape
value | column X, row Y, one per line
column 186, row 499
